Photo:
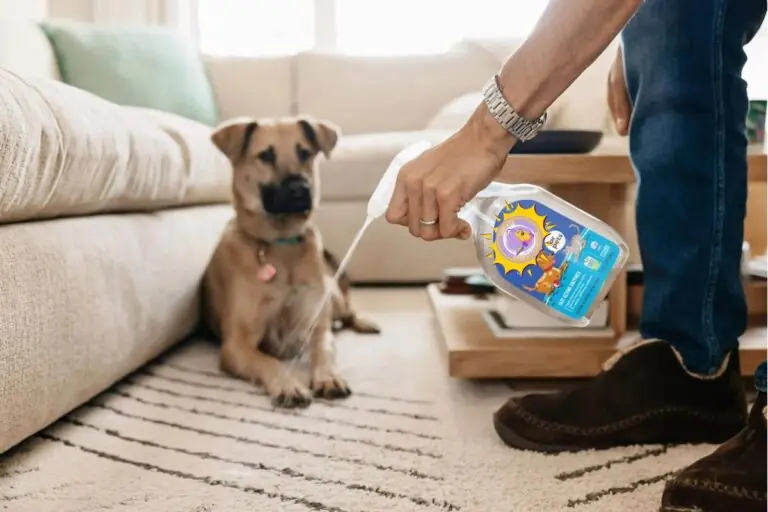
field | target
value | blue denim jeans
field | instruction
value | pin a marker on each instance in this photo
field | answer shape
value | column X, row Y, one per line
column 683, row 61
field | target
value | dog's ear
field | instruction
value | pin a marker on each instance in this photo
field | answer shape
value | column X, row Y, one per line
column 234, row 136
column 321, row 135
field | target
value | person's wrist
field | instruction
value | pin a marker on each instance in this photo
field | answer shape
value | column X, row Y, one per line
column 489, row 133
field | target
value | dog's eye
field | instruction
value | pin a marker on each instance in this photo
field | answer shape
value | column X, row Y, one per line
column 303, row 153
column 268, row 156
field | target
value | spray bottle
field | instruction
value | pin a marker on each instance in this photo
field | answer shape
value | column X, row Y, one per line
column 531, row 244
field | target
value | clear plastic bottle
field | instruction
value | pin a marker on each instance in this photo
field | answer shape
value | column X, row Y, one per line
column 533, row 245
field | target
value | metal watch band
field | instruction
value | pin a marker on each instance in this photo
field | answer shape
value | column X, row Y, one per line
column 521, row 128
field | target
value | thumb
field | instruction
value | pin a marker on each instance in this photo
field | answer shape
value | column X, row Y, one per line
column 621, row 109
column 398, row 204
column 618, row 98
column 465, row 231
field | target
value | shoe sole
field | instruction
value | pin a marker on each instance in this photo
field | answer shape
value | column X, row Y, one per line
column 513, row 440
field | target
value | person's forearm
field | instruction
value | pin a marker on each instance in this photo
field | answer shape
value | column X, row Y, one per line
column 568, row 38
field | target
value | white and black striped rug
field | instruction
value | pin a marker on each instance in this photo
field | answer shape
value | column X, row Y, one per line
column 178, row 436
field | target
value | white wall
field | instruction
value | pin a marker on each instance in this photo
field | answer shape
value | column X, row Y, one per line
column 121, row 11
column 71, row 9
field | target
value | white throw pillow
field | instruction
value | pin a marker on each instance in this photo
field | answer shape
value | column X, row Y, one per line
column 456, row 112
column 582, row 106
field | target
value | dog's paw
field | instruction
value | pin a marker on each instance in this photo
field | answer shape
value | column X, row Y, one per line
column 329, row 385
column 291, row 395
column 364, row 326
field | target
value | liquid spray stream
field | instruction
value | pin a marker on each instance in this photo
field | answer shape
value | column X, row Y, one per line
column 313, row 319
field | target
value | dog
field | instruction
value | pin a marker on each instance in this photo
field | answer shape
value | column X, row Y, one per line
column 264, row 287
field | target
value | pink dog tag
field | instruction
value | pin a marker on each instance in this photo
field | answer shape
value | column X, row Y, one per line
column 266, row 273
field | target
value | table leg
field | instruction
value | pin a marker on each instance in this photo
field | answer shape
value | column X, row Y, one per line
column 617, row 297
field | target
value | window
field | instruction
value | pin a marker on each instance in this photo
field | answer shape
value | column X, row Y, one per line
column 360, row 27
column 255, row 27
column 428, row 26
column 383, row 27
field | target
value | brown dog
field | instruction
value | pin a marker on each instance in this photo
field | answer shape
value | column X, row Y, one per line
column 268, row 276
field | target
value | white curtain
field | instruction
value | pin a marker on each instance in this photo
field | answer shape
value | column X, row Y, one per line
column 154, row 12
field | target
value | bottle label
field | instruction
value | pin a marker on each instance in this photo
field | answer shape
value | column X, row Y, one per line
column 551, row 257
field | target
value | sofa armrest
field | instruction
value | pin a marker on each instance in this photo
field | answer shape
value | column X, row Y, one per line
column 251, row 86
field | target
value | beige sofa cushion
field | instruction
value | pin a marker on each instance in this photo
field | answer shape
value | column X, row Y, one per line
column 356, row 166
column 255, row 87
column 64, row 151
column 87, row 300
column 378, row 94
column 387, row 253
column 209, row 172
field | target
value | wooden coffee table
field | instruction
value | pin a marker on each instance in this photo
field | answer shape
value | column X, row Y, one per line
column 598, row 183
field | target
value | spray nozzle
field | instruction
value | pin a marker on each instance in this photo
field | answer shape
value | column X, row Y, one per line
column 379, row 201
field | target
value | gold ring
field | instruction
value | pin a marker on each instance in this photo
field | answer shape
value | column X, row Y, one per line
column 428, row 222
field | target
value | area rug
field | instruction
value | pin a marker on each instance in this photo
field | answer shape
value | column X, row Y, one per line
column 178, row 436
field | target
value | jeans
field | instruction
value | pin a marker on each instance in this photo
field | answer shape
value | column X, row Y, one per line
column 683, row 61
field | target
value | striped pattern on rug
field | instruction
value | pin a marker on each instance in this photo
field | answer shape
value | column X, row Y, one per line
column 178, row 435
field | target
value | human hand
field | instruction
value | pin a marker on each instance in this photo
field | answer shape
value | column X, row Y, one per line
column 432, row 188
column 618, row 98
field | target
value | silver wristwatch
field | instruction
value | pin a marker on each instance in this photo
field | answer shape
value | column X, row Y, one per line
column 521, row 128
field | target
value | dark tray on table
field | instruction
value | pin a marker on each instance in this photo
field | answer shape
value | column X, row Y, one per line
column 558, row 142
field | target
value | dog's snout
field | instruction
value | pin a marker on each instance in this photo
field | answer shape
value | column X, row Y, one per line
column 296, row 185
column 291, row 195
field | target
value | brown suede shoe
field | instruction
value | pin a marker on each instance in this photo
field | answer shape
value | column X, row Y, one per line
column 732, row 479
column 644, row 396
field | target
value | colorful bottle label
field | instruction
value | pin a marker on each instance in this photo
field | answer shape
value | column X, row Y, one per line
column 551, row 257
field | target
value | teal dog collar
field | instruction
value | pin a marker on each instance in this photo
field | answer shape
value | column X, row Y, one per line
column 290, row 240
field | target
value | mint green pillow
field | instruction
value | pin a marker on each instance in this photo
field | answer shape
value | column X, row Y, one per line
column 139, row 66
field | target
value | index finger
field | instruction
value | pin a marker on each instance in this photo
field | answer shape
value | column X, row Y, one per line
column 449, row 203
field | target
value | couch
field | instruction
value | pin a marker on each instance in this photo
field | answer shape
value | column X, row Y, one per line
column 108, row 214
